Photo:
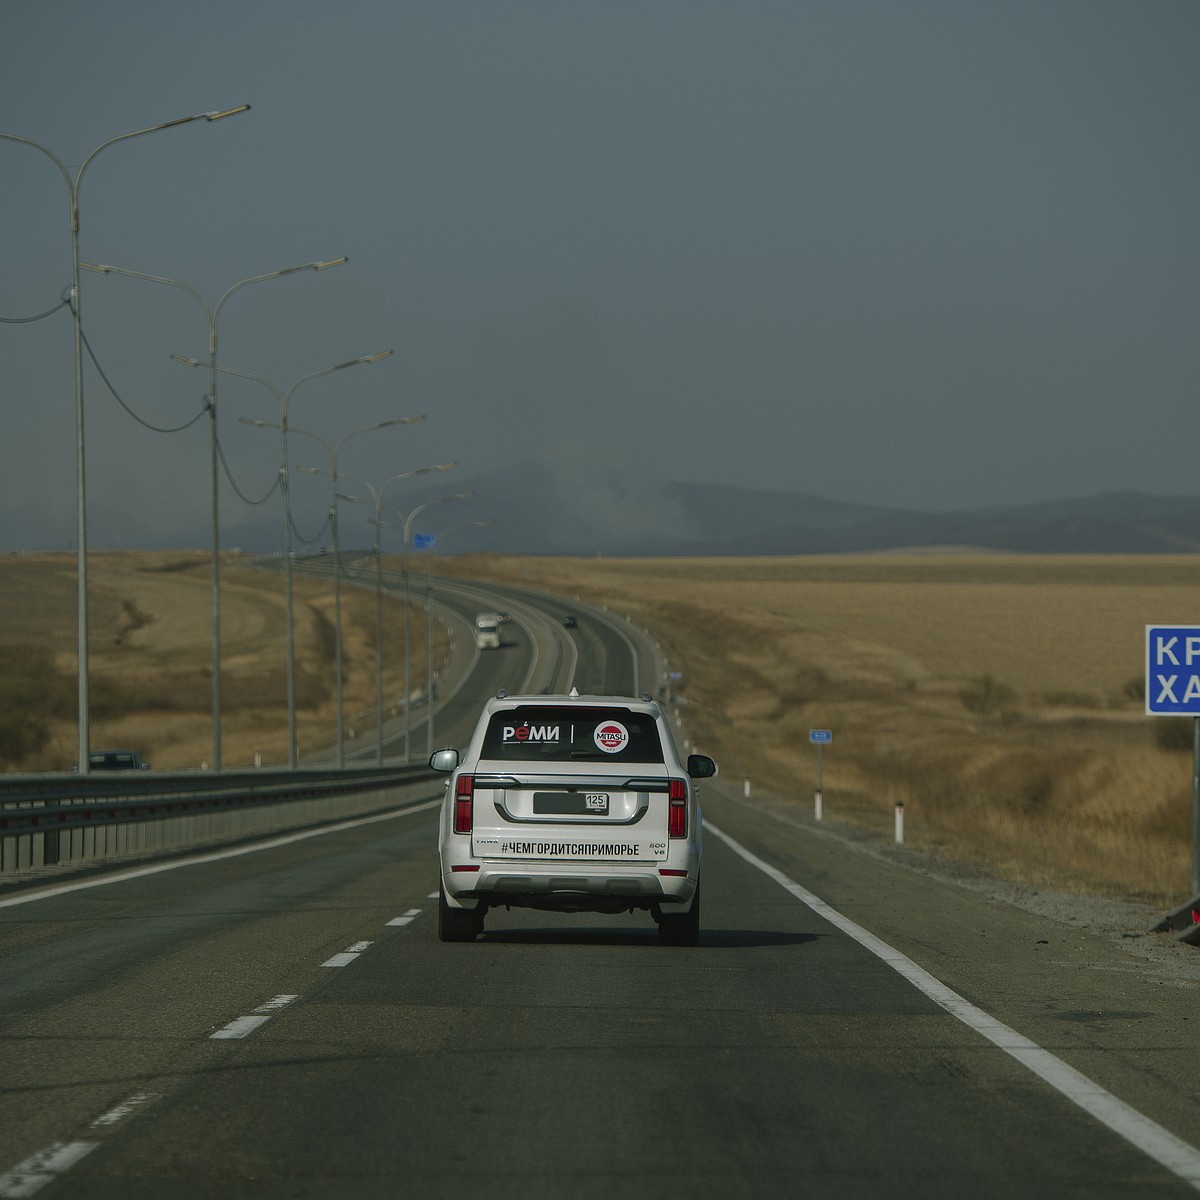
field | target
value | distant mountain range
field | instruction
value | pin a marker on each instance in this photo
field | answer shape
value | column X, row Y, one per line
column 537, row 510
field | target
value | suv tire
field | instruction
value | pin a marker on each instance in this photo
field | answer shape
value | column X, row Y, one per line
column 456, row 924
column 681, row 929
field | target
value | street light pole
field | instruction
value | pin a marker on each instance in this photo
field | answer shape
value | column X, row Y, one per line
column 283, row 399
column 407, row 623
column 213, row 313
column 377, row 502
column 73, row 185
column 334, row 451
column 429, row 624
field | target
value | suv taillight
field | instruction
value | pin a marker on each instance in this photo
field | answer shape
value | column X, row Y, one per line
column 677, row 813
column 464, row 805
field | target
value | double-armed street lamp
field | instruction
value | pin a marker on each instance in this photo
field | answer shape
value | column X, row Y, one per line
column 433, row 538
column 407, row 623
column 213, row 313
column 334, row 451
column 73, row 186
column 283, row 399
column 377, row 491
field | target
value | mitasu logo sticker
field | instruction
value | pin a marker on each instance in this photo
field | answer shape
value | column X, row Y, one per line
column 611, row 736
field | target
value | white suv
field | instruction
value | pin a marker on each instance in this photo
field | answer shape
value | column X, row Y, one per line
column 574, row 804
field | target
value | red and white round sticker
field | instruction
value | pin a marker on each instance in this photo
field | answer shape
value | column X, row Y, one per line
column 611, row 736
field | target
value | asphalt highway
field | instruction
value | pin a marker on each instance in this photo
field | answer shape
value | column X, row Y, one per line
column 285, row 1023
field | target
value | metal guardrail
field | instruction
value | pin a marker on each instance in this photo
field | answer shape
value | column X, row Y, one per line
column 52, row 824
column 49, row 823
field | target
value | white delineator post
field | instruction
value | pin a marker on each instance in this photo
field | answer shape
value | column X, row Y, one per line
column 819, row 738
column 899, row 822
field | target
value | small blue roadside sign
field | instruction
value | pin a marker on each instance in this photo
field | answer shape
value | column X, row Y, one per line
column 820, row 737
column 422, row 541
column 1173, row 670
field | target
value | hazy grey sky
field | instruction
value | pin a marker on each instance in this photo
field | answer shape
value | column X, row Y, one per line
column 932, row 255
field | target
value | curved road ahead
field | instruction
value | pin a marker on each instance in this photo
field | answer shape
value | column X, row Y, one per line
column 599, row 655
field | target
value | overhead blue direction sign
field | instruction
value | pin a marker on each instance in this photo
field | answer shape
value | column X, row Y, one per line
column 1173, row 670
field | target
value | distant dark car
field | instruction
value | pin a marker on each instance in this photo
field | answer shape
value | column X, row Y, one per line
column 116, row 760
column 569, row 621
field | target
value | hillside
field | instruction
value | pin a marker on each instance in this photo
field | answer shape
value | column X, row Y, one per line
column 536, row 510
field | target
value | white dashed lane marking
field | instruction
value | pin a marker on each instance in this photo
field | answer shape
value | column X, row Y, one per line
column 276, row 1003
column 347, row 956
column 125, row 1109
column 29, row 1177
column 32, row 1174
column 240, row 1027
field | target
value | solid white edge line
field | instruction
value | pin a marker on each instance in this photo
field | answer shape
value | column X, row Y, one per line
column 1171, row 1152
column 217, row 856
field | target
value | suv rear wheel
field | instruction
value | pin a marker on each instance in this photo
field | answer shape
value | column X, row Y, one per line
column 457, row 924
column 681, row 929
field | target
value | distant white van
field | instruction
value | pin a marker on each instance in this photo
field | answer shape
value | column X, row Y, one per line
column 487, row 631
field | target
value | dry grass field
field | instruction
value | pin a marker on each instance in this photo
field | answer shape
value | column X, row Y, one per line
column 999, row 698
column 150, row 618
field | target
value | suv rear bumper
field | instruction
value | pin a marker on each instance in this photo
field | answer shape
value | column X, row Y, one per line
column 564, row 890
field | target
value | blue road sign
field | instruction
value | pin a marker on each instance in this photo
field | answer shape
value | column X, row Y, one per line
column 820, row 737
column 1173, row 670
column 422, row 541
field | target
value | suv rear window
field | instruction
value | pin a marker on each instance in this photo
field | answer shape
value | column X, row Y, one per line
column 575, row 734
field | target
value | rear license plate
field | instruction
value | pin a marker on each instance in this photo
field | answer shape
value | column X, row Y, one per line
column 570, row 804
